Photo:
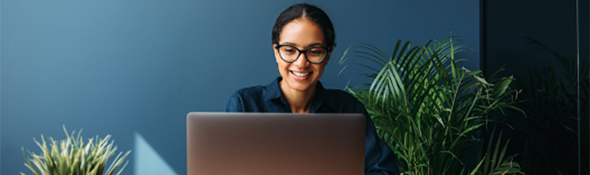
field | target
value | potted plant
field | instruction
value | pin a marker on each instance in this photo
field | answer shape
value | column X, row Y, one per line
column 72, row 157
column 429, row 110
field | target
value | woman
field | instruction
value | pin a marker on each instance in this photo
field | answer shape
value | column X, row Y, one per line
column 303, row 40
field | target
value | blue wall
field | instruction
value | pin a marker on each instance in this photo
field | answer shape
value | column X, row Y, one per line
column 135, row 68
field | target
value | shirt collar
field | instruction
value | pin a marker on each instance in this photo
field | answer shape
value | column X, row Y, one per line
column 322, row 96
column 273, row 91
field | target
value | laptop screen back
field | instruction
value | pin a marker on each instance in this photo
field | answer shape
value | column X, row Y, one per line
column 275, row 143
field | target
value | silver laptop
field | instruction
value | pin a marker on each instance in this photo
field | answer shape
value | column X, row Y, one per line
column 275, row 144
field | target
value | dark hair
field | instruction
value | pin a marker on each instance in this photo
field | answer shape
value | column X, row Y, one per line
column 313, row 13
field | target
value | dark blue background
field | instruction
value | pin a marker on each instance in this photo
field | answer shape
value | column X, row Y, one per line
column 135, row 68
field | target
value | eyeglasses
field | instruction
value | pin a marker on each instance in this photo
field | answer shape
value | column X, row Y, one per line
column 314, row 55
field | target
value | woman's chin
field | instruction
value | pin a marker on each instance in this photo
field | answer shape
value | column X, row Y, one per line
column 299, row 85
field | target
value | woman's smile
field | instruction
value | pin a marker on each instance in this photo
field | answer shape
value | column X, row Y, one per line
column 300, row 75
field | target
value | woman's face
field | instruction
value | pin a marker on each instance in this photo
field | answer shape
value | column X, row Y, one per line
column 301, row 75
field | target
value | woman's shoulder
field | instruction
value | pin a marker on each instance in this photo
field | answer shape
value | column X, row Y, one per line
column 259, row 90
column 345, row 101
column 341, row 95
column 252, row 99
column 242, row 99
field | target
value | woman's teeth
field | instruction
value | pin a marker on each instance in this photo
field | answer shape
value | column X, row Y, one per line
column 301, row 74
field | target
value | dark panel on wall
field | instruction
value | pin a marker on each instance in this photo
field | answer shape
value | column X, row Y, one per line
column 563, row 27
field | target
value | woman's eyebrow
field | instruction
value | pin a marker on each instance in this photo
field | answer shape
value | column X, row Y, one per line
column 310, row 45
column 289, row 43
column 316, row 44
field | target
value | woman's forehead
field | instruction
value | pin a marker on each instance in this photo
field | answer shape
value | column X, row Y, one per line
column 302, row 32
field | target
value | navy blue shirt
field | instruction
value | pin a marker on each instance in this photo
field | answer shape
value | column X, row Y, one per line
column 379, row 159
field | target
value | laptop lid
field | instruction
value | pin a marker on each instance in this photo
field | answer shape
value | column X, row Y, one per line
column 275, row 143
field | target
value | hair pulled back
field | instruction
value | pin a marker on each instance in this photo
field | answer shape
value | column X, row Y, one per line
column 313, row 13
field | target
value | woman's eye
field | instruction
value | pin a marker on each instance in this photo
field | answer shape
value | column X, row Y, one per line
column 289, row 50
column 316, row 52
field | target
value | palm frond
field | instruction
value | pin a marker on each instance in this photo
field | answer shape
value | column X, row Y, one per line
column 424, row 106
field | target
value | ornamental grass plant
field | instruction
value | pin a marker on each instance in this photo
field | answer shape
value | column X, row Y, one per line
column 430, row 111
column 73, row 157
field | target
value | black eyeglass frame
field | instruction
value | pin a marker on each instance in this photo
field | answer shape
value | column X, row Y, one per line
column 301, row 51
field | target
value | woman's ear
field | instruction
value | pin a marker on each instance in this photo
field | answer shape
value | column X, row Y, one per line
column 274, row 48
column 329, row 54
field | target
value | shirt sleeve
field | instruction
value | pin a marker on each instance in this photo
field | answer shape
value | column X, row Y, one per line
column 380, row 159
column 235, row 103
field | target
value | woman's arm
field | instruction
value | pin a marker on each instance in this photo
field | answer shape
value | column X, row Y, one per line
column 380, row 159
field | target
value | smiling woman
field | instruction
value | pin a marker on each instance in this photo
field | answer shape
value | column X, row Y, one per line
column 303, row 40
column 300, row 76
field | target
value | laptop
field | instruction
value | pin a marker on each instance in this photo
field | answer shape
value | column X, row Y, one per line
column 275, row 144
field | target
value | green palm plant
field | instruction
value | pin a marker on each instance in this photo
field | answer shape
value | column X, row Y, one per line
column 425, row 107
column 72, row 157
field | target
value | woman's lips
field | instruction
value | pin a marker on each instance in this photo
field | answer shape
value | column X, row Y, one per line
column 300, row 76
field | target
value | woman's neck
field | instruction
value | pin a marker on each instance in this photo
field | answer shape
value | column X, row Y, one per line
column 299, row 101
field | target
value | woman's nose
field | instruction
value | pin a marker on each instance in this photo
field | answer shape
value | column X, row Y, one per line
column 302, row 61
